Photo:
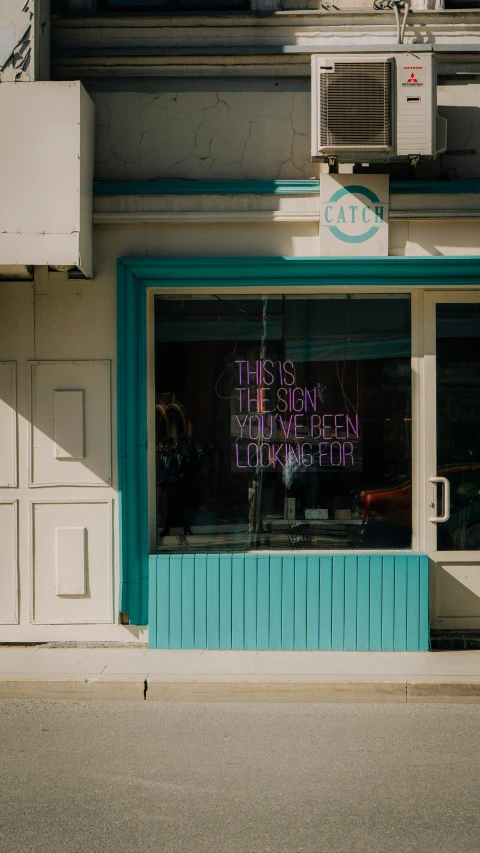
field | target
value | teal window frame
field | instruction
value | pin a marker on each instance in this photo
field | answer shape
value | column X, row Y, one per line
column 136, row 275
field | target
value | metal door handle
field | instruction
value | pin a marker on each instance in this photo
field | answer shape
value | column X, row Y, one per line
column 446, row 499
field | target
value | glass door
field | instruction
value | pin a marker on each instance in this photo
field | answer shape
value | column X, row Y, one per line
column 452, row 453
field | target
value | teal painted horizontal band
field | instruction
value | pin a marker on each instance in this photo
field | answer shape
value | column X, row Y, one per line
column 354, row 602
column 393, row 271
column 205, row 187
column 309, row 187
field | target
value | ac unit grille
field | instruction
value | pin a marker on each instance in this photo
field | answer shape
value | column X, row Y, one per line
column 356, row 105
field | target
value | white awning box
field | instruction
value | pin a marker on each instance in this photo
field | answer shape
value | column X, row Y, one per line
column 46, row 173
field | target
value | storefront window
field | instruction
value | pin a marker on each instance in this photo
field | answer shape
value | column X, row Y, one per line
column 283, row 422
column 458, row 423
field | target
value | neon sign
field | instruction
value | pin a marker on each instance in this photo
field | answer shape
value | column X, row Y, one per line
column 278, row 422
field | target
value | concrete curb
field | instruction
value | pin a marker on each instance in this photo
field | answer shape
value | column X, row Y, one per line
column 398, row 691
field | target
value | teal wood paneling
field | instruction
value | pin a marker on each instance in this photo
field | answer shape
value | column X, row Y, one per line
column 288, row 600
column 388, row 604
column 376, row 602
column 188, row 602
column 400, row 604
column 213, row 601
column 225, row 601
column 263, row 601
column 363, row 603
column 313, row 602
column 276, row 575
column 300, row 603
column 200, row 628
column 350, row 631
column 175, row 620
column 338, row 603
column 296, row 601
column 326, row 570
column 162, row 616
column 238, row 601
column 250, row 606
column 153, row 600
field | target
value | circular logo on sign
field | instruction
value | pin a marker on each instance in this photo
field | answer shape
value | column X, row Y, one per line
column 354, row 223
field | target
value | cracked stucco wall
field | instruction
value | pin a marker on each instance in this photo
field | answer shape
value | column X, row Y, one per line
column 257, row 133
column 246, row 129
column 16, row 40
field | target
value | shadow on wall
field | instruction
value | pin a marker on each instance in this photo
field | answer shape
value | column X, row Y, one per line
column 457, row 591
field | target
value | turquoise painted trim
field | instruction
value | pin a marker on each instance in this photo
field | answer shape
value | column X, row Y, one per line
column 134, row 277
column 375, row 272
column 132, row 445
column 277, row 187
column 290, row 601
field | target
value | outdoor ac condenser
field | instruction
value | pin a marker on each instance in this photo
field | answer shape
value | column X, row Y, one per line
column 375, row 107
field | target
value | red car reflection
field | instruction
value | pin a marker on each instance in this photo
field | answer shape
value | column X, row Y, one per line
column 387, row 511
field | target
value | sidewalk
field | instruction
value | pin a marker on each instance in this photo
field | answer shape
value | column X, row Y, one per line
column 120, row 673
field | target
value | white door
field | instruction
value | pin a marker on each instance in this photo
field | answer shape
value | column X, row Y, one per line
column 450, row 448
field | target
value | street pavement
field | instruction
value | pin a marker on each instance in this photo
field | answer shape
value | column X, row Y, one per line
column 175, row 777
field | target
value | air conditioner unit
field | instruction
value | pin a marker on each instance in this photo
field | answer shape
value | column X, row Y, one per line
column 375, row 107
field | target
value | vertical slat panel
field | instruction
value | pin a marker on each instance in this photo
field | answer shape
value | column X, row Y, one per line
column 363, row 603
column 350, row 635
column 275, row 622
column 300, row 628
column 250, row 602
column 188, row 601
column 326, row 575
column 313, row 602
column 238, row 601
column 263, row 601
column 376, row 603
column 424, row 631
column 338, row 603
column 175, row 602
column 388, row 602
column 288, row 602
column 163, row 602
column 152, row 602
column 213, row 601
column 413, row 603
column 200, row 601
column 400, row 626
column 225, row 601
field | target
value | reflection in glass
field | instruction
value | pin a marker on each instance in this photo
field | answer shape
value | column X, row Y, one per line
column 283, row 422
column 458, row 423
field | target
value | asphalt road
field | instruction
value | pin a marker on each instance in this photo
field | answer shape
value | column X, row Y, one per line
column 99, row 777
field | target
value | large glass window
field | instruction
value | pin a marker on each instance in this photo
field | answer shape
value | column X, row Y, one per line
column 283, row 422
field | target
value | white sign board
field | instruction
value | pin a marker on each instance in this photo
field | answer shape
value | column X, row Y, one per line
column 354, row 215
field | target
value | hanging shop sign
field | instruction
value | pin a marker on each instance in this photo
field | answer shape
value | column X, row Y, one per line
column 354, row 215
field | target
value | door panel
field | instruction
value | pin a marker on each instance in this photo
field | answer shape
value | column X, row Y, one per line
column 452, row 453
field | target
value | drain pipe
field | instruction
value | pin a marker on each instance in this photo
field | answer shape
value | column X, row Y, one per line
column 406, row 9
column 395, row 5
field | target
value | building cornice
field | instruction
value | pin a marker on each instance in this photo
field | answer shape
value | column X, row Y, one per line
column 250, row 43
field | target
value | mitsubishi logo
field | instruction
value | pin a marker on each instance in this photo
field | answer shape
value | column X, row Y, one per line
column 412, row 78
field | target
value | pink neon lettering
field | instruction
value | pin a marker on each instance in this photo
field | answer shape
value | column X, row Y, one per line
column 299, row 425
column 282, row 422
column 241, row 425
